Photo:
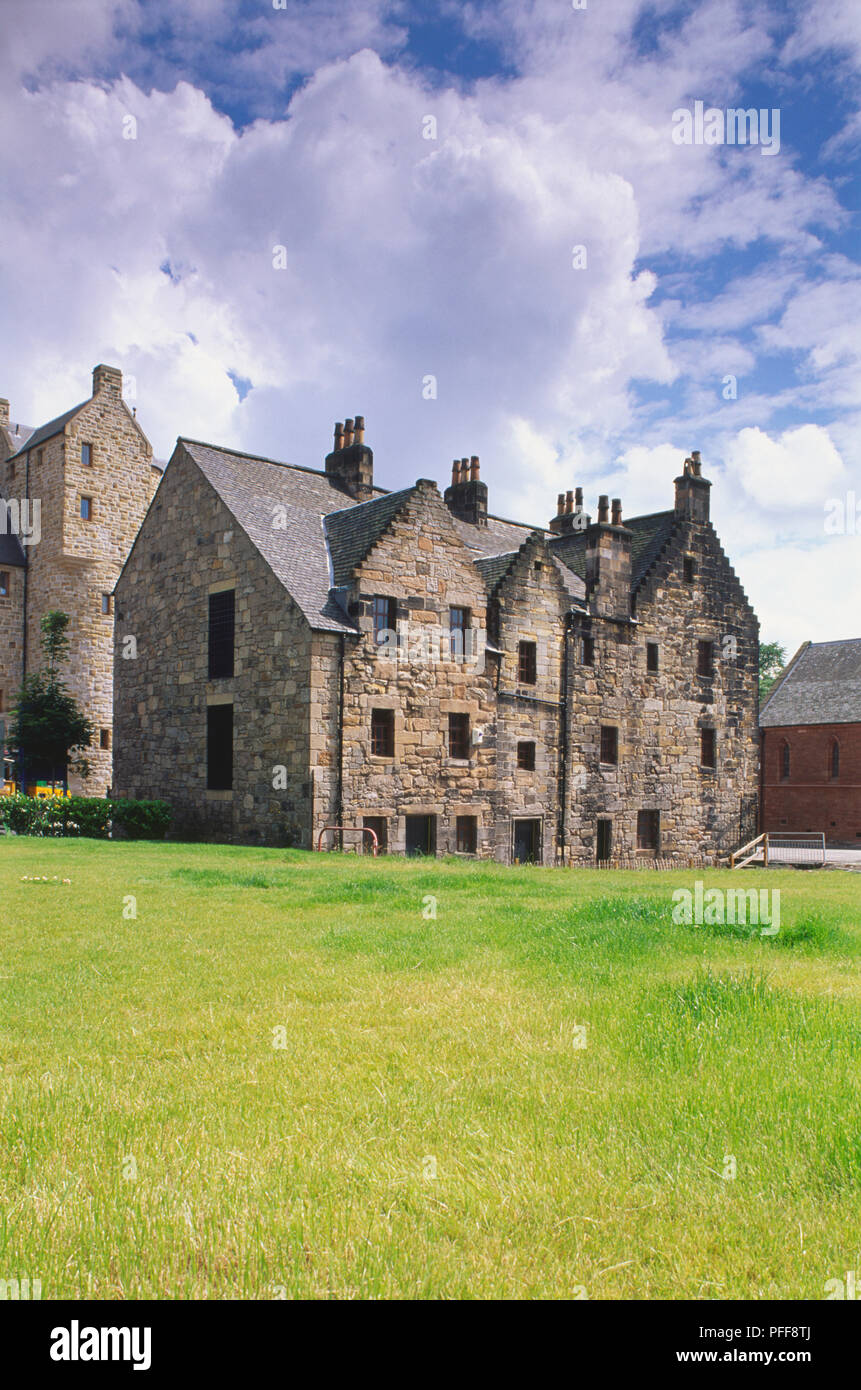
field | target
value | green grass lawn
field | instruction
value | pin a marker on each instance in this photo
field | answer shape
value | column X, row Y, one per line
column 284, row 1076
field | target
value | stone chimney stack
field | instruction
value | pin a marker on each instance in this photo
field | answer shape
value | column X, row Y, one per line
column 569, row 513
column 466, row 495
column 107, row 379
column 351, row 463
column 692, row 491
column 4, row 412
column 608, row 563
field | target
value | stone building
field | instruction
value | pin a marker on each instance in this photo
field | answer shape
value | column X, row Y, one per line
column 297, row 648
column 75, row 492
column 811, row 744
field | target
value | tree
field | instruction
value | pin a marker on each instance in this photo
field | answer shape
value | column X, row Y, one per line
column 47, row 725
column 772, row 659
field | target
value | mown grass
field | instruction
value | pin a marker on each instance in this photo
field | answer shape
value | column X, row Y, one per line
column 429, row 1127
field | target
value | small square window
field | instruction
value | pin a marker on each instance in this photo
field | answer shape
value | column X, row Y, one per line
column 609, row 744
column 458, row 736
column 467, row 834
column 4, row 583
column 587, row 651
column 651, row 656
column 86, row 508
column 104, row 739
column 707, row 747
column 86, row 455
column 689, row 569
column 705, row 658
column 527, row 665
column 526, row 756
column 383, row 733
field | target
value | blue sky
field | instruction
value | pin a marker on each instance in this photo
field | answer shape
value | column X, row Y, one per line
column 162, row 153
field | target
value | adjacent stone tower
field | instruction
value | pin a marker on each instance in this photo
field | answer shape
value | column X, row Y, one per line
column 84, row 481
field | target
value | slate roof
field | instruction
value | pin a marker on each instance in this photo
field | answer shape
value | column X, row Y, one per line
column 16, row 439
column 821, row 685
column 353, row 531
column 11, row 551
column 325, row 534
column 649, row 535
column 48, row 431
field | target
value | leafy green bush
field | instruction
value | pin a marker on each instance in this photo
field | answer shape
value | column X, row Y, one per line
column 94, row 817
column 141, row 820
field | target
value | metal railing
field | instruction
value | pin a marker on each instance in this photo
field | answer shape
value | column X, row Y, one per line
column 350, row 829
column 781, row 847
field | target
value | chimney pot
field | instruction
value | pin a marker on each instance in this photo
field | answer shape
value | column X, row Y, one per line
column 474, row 467
column 339, row 435
column 569, row 503
column 578, row 499
column 603, row 508
column 617, row 511
column 359, row 434
column 560, row 504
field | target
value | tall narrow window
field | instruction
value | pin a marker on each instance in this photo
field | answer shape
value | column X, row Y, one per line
column 649, row 830
column 609, row 744
column 458, row 624
column 651, row 656
column 107, row 604
column 86, row 508
column 222, row 633
column 219, row 748
column 104, row 739
column 458, row 736
column 587, row 651
column 527, row 666
column 467, row 834
column 705, row 658
column 385, row 612
column 383, row 733
column 707, row 747
column 834, row 760
column 784, row 760
column 4, row 583
column 86, row 454
column 689, row 569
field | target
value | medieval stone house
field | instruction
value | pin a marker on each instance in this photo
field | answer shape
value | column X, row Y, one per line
column 298, row 649
column 74, row 493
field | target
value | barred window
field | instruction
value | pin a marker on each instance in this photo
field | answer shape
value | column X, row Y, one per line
column 222, row 632
column 458, row 736
column 527, row 670
column 526, row 756
column 383, row 733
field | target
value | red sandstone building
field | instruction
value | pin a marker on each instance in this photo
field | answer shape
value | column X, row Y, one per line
column 811, row 744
